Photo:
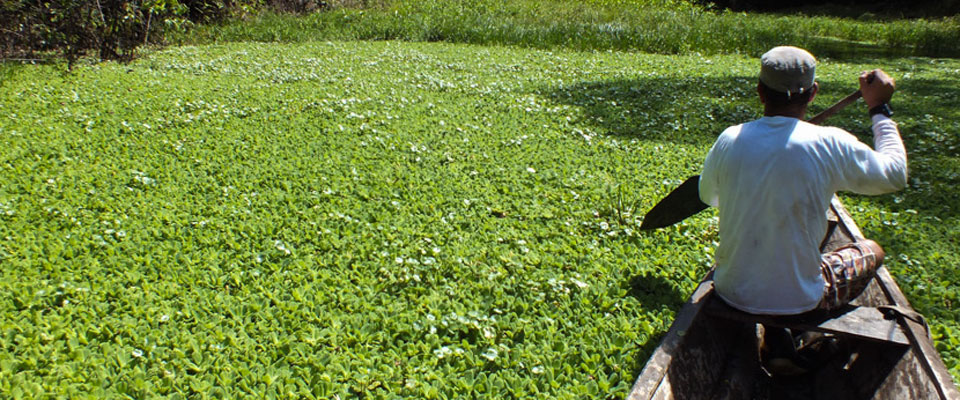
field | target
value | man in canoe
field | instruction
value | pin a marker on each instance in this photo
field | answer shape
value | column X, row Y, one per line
column 772, row 180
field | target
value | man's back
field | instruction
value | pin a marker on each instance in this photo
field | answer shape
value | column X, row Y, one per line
column 772, row 180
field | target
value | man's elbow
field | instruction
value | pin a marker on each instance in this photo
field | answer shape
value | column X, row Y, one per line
column 897, row 176
column 902, row 174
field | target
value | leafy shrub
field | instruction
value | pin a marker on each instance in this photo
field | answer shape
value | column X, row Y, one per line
column 113, row 28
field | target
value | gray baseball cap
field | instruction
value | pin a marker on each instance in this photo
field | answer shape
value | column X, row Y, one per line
column 788, row 69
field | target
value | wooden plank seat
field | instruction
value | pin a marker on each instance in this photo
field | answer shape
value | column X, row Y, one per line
column 860, row 321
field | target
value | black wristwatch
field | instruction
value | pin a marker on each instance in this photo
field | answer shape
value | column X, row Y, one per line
column 882, row 109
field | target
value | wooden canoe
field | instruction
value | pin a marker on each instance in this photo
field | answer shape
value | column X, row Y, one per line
column 710, row 351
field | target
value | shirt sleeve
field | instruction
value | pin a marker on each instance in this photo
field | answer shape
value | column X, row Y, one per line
column 708, row 179
column 875, row 171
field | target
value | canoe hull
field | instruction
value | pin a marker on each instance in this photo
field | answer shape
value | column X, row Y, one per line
column 709, row 355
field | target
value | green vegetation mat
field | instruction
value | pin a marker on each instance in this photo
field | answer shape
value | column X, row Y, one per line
column 384, row 219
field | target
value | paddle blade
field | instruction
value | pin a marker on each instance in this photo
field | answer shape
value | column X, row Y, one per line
column 681, row 203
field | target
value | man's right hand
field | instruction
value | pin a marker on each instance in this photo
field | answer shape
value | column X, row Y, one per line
column 878, row 90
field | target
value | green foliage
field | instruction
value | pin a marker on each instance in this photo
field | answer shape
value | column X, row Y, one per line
column 112, row 28
column 393, row 220
column 663, row 27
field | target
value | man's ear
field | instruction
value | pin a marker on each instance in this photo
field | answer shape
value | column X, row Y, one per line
column 762, row 94
column 813, row 92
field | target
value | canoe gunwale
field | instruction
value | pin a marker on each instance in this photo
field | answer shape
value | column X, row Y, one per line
column 653, row 373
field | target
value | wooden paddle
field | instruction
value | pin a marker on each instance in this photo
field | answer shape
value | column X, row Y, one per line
column 684, row 201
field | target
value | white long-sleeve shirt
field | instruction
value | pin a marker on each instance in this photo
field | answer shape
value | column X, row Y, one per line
column 772, row 180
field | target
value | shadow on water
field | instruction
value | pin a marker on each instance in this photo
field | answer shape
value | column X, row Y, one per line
column 694, row 110
column 655, row 291
column 848, row 50
column 678, row 110
column 690, row 110
column 652, row 292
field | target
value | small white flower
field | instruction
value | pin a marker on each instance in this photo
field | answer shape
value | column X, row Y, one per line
column 489, row 333
column 442, row 352
column 137, row 353
column 280, row 246
column 164, row 318
column 531, row 170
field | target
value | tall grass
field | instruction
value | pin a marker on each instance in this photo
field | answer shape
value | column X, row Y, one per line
column 654, row 26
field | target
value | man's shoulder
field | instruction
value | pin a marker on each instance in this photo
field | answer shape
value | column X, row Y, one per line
column 832, row 133
column 733, row 129
column 826, row 133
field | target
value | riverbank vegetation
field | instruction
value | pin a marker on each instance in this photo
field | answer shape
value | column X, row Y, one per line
column 121, row 29
column 650, row 26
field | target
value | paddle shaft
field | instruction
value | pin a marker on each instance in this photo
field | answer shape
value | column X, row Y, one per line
column 846, row 101
column 819, row 118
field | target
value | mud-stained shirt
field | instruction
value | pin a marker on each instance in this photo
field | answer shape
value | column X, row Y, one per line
column 772, row 180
